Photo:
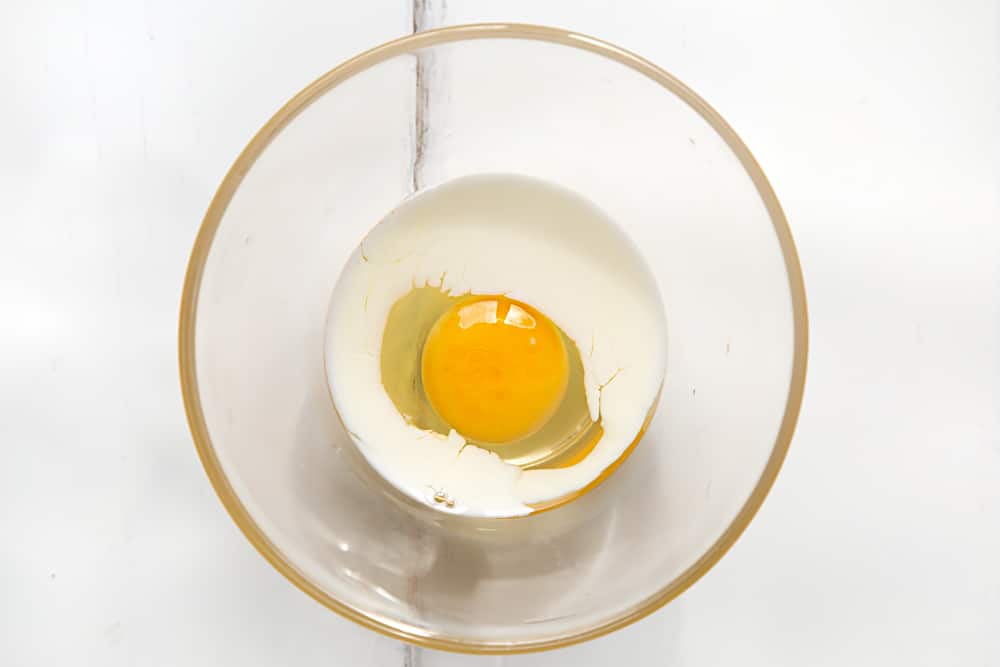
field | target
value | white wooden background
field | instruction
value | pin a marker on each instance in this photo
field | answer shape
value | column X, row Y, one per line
column 877, row 122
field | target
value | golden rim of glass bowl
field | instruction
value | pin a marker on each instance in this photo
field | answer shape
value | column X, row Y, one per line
column 203, row 242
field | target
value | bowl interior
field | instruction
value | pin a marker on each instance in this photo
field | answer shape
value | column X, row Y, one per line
column 419, row 112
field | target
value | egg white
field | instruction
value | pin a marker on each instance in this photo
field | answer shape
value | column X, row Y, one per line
column 531, row 241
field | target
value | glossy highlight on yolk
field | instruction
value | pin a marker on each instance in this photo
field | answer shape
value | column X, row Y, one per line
column 494, row 369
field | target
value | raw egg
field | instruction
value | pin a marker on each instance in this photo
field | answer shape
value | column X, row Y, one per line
column 494, row 369
column 495, row 346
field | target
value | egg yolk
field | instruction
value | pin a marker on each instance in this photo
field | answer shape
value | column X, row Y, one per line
column 494, row 369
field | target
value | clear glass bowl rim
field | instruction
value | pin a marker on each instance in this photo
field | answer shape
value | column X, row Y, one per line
column 287, row 113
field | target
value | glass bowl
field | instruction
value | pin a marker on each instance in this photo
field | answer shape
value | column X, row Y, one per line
column 419, row 111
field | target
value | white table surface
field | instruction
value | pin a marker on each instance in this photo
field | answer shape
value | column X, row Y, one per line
column 877, row 123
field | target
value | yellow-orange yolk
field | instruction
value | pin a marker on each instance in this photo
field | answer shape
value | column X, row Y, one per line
column 494, row 369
